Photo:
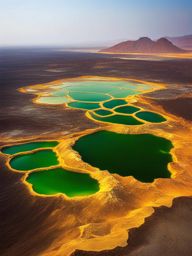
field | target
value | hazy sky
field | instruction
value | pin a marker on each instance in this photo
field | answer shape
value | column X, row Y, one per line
column 91, row 22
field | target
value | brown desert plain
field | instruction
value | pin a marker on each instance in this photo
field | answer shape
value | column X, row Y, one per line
column 126, row 217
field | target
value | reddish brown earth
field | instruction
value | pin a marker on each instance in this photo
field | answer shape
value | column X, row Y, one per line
column 165, row 233
column 180, row 107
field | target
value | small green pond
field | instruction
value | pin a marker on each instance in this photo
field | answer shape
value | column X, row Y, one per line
column 150, row 117
column 103, row 112
column 83, row 105
column 127, row 109
column 11, row 150
column 52, row 182
column 117, row 119
column 144, row 156
column 38, row 159
column 114, row 103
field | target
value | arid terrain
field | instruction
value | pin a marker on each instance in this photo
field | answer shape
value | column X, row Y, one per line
column 31, row 224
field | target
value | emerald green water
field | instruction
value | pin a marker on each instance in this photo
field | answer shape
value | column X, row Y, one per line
column 150, row 117
column 28, row 147
column 103, row 112
column 52, row 182
column 117, row 119
column 114, row 103
column 143, row 156
column 127, row 109
column 83, row 105
column 39, row 159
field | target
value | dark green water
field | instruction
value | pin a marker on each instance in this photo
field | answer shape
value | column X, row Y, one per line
column 28, row 147
column 51, row 182
column 117, row 119
column 150, row 117
column 127, row 109
column 114, row 103
column 103, row 112
column 144, row 156
column 84, row 105
column 39, row 159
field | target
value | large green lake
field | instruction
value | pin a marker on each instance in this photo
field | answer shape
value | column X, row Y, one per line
column 142, row 156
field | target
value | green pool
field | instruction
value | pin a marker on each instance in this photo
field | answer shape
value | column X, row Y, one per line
column 88, row 96
column 127, row 109
column 39, row 159
column 150, row 117
column 144, row 156
column 103, row 112
column 28, row 147
column 101, row 95
column 83, row 105
column 114, row 103
column 92, row 91
column 52, row 182
column 53, row 100
column 117, row 119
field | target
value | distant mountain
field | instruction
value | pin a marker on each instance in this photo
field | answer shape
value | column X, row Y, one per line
column 184, row 42
column 145, row 45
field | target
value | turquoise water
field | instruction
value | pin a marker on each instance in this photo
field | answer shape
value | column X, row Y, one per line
column 77, row 89
column 86, row 96
column 100, row 95
column 124, row 93
column 103, row 86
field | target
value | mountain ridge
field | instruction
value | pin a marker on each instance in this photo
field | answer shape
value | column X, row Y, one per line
column 184, row 42
column 145, row 45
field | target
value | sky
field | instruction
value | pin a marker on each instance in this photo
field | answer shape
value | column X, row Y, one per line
column 90, row 22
